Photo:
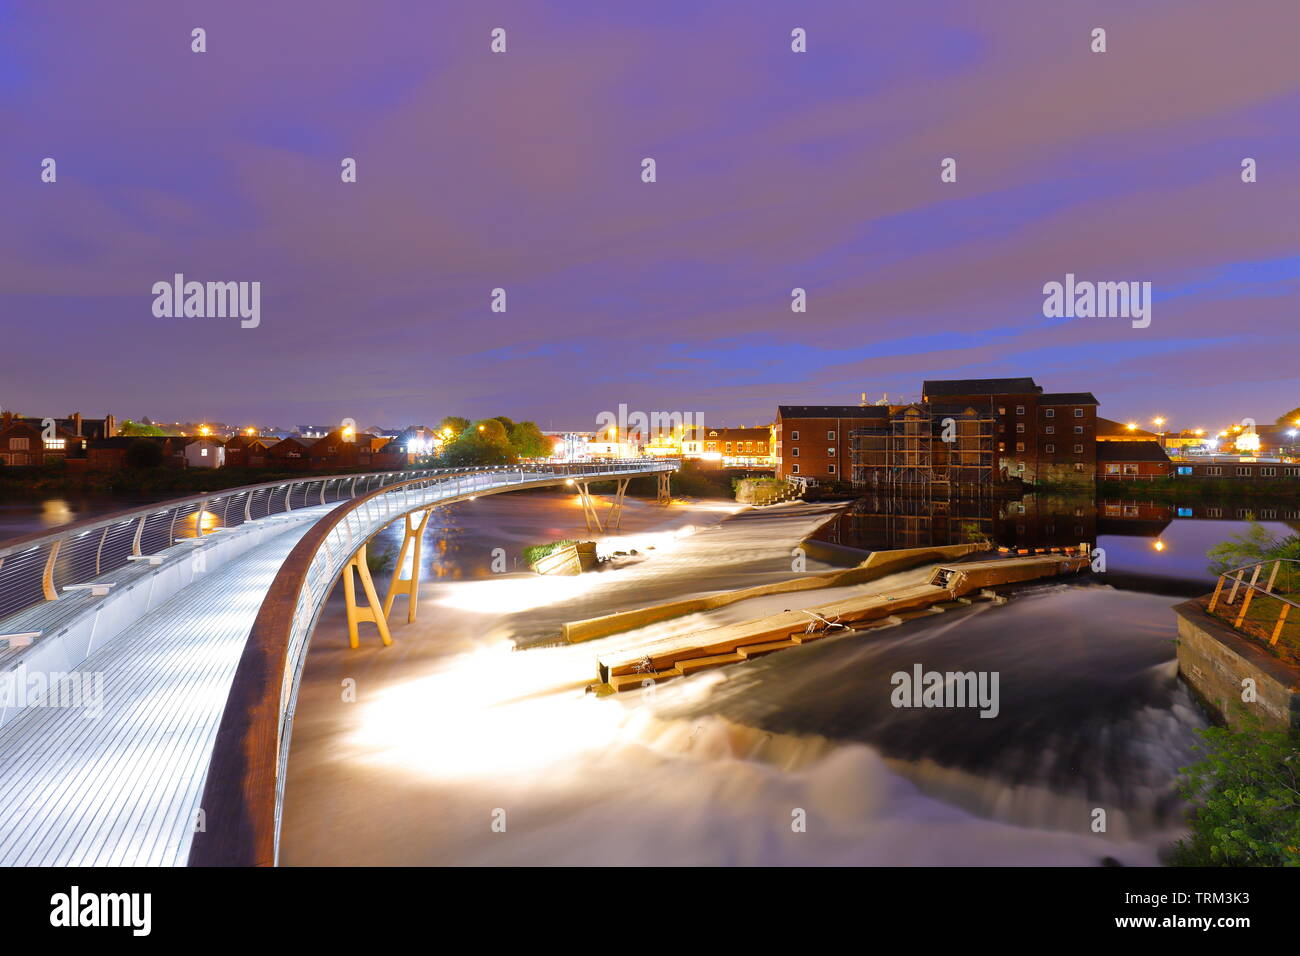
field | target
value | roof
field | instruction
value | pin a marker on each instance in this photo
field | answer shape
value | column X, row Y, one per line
column 832, row 411
column 1068, row 398
column 979, row 386
column 1131, row 451
column 1106, row 428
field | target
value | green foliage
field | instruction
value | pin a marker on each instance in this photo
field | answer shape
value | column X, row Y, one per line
column 482, row 443
column 1246, row 790
column 455, row 423
column 528, row 441
column 129, row 429
column 536, row 552
column 144, row 453
column 1252, row 545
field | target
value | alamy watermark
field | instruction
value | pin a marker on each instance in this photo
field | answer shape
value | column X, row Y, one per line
column 208, row 300
column 81, row 690
column 1073, row 299
column 651, row 423
column 951, row 689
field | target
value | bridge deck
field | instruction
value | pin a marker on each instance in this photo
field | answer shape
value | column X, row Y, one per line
column 123, row 788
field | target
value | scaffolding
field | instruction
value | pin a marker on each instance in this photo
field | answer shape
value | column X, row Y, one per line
column 926, row 451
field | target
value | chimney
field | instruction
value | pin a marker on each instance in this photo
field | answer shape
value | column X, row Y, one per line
column 6, row 419
column 76, row 424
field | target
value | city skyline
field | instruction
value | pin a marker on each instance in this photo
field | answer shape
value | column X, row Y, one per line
column 522, row 171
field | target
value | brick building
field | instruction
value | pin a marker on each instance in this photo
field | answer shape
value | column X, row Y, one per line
column 812, row 440
column 1038, row 436
column 1132, row 461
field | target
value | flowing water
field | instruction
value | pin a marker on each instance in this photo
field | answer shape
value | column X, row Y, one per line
column 460, row 748
column 472, row 739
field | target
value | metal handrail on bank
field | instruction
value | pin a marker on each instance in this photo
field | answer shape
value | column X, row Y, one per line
column 244, row 790
column 1249, row 589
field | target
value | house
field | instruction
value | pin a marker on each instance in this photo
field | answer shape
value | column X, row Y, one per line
column 204, row 453
column 247, row 451
column 1132, row 461
column 290, row 453
column 110, row 454
column 24, row 442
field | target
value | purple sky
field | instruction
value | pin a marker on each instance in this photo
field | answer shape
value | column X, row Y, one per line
column 522, row 171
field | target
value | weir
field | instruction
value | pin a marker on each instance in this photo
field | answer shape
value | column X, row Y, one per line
column 633, row 665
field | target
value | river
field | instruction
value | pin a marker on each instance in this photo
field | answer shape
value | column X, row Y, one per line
column 460, row 748
column 472, row 740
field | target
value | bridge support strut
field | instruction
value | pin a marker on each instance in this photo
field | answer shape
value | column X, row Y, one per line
column 589, row 508
column 372, row 610
column 408, row 586
column 665, row 495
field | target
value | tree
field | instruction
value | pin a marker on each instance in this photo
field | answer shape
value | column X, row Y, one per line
column 455, row 423
column 1290, row 418
column 144, row 453
column 528, row 441
column 130, row 428
column 482, row 443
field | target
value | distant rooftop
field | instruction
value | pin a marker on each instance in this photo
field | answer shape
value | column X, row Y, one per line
column 980, row 386
column 1068, row 398
column 1130, row 451
column 832, row 411
column 1107, row 429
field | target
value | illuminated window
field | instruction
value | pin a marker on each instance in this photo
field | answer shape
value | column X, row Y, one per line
column 56, row 444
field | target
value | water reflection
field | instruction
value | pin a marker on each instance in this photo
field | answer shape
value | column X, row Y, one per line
column 1157, row 540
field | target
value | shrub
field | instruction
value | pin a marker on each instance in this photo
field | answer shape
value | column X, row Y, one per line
column 1246, row 793
column 536, row 552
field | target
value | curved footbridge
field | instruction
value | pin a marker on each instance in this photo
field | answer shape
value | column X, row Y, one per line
column 150, row 659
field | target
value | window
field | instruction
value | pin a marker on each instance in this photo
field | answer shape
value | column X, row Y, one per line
column 1020, row 466
column 1020, row 409
column 1243, row 470
column 1002, row 409
column 1214, row 512
column 1130, row 469
column 1112, row 469
column 1050, row 429
column 1078, row 413
column 1002, row 446
column 1078, row 466
column 1049, row 413
column 794, row 469
column 1292, row 472
column 56, row 444
column 1184, row 512
column 830, row 469
column 1214, row 470
column 1078, row 429
column 1078, row 449
column 1020, row 446
column 830, row 436
column 794, row 435
column 203, row 453
column 1268, row 472
column 1020, row 428
column 1184, row 469
column 18, row 444
column 794, row 452
column 1051, row 449
column 830, row 452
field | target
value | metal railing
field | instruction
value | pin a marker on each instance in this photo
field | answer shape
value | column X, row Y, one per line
column 1282, row 574
column 243, row 796
column 37, row 567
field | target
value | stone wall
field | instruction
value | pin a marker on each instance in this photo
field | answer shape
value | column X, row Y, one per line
column 1215, row 660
